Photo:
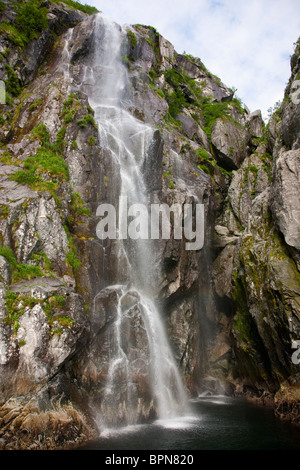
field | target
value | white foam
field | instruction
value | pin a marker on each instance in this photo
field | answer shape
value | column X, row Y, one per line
column 184, row 422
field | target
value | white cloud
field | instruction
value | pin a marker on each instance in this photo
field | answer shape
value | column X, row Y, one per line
column 247, row 43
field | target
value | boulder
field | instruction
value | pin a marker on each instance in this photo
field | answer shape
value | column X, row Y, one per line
column 255, row 124
column 229, row 140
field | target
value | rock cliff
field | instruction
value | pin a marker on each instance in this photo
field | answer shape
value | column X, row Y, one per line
column 231, row 309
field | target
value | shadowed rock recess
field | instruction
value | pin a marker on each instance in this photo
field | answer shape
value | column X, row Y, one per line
column 230, row 311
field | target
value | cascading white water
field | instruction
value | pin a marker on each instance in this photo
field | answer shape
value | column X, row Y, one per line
column 127, row 140
column 65, row 62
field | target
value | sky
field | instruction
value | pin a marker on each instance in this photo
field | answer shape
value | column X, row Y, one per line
column 246, row 43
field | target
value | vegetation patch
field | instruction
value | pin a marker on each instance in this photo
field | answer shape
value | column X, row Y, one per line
column 4, row 211
column 91, row 141
column 211, row 111
column 20, row 270
column 86, row 120
column 12, row 82
column 16, row 305
column 12, row 34
column 70, row 109
column 131, row 37
column 31, row 20
column 176, row 101
column 77, row 210
column 185, row 92
column 42, row 259
column 72, row 256
column 89, row 10
column 36, row 104
column 46, row 169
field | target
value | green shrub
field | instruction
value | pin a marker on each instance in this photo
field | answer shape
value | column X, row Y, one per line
column 31, row 20
column 12, row 82
column 59, row 143
column 20, row 270
column 42, row 258
column 204, row 168
column 15, row 307
column 91, row 141
column 9, row 255
column 211, row 111
column 41, row 133
column 203, row 154
column 4, row 211
column 152, row 74
column 70, row 100
column 71, row 256
column 43, row 170
column 237, row 103
column 74, row 145
column 131, row 38
column 69, row 116
column 176, row 101
column 160, row 93
column 13, row 310
column 125, row 60
column 25, row 271
column 77, row 209
column 71, row 106
column 173, row 78
column 12, row 34
column 36, row 104
column 78, row 6
column 87, row 119
column 44, row 163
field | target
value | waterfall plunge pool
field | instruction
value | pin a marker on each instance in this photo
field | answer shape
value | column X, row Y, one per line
column 217, row 423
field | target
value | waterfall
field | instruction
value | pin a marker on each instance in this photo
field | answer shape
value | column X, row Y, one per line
column 141, row 371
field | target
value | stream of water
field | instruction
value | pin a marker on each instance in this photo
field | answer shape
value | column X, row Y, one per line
column 126, row 140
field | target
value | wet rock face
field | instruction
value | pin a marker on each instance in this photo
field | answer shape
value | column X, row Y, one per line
column 285, row 200
column 258, row 257
column 116, row 369
column 263, row 272
column 290, row 108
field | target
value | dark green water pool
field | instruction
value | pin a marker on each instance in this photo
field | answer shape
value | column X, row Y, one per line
column 216, row 423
